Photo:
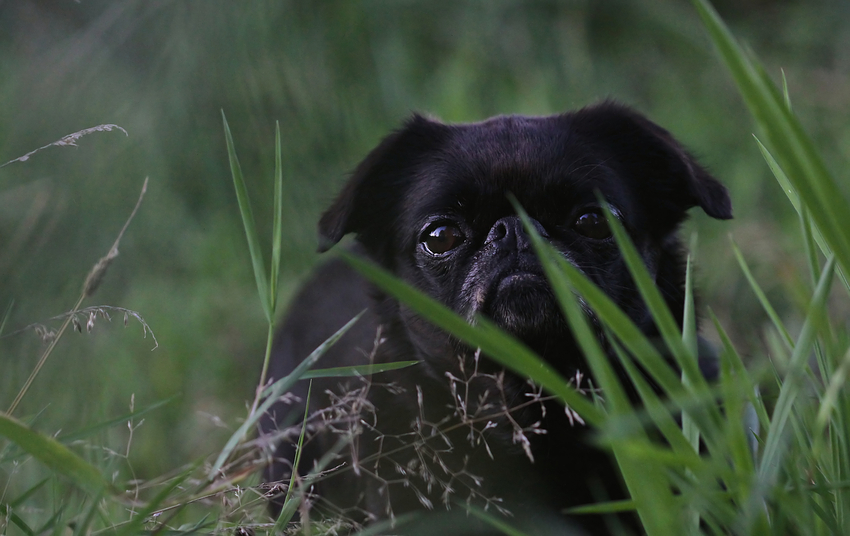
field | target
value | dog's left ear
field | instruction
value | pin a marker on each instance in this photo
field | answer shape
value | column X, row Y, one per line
column 666, row 177
column 372, row 197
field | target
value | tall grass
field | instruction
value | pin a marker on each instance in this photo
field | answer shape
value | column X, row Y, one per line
column 793, row 477
column 766, row 466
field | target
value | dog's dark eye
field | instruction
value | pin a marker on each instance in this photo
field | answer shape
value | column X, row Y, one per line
column 592, row 225
column 440, row 239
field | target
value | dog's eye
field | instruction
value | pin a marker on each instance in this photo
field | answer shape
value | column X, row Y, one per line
column 592, row 225
column 442, row 238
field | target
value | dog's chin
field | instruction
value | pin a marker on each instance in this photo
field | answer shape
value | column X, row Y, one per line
column 523, row 304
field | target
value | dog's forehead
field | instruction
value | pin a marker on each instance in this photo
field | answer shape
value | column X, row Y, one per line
column 539, row 160
column 507, row 147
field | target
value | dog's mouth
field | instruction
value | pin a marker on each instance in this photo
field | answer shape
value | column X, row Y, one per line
column 521, row 302
column 520, row 278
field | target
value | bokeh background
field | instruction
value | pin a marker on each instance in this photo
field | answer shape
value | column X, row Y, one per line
column 337, row 75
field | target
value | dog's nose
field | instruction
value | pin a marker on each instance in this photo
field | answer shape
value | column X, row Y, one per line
column 508, row 233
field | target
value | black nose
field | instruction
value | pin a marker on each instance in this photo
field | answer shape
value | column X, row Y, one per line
column 508, row 234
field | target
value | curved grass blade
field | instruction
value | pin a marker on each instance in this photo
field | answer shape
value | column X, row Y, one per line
column 382, row 527
column 794, row 150
column 792, row 384
column 735, row 395
column 15, row 519
column 657, row 411
column 690, row 430
column 664, row 321
column 780, row 177
column 83, row 526
column 646, row 485
column 496, row 344
column 277, row 221
column 20, row 499
column 736, row 363
column 356, row 370
column 248, row 223
column 290, row 503
column 762, row 297
column 6, row 316
column 829, row 401
column 135, row 525
column 55, row 523
column 808, row 231
column 273, row 392
column 54, row 455
column 811, row 233
column 293, row 498
column 91, row 430
column 494, row 522
column 639, row 346
column 619, row 323
column 607, row 507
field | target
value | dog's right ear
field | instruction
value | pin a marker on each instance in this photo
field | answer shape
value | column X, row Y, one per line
column 374, row 193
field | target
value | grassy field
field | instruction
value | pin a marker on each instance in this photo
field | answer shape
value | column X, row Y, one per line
column 338, row 76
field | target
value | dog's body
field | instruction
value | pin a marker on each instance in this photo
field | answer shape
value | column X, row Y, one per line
column 430, row 204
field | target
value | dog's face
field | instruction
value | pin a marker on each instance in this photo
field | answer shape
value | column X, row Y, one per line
column 431, row 203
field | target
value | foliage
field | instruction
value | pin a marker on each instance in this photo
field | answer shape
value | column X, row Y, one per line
column 775, row 457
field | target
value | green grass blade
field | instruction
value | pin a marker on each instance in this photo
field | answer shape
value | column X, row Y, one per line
column 497, row 345
column 808, row 233
column 794, row 150
column 7, row 513
column 92, row 430
column 656, row 409
column 734, row 400
column 384, row 527
column 829, row 401
column 641, row 349
column 495, row 522
column 6, row 314
column 55, row 523
column 356, row 370
column 811, row 233
column 623, row 327
column 202, row 524
column 277, row 225
column 53, row 454
column 82, row 526
column 792, row 384
column 733, row 359
column 273, row 393
column 608, row 507
column 614, row 318
column 312, row 477
column 248, row 223
column 647, row 486
column 780, row 176
column 741, row 402
column 685, row 358
column 20, row 499
column 670, row 332
column 120, row 420
column 603, row 373
column 290, row 502
column 689, row 338
column 689, row 318
column 762, row 297
column 136, row 524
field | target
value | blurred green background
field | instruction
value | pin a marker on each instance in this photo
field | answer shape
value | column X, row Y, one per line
column 338, row 75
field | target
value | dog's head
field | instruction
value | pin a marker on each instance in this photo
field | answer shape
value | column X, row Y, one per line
column 431, row 204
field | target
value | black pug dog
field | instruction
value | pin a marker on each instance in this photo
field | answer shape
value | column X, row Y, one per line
column 431, row 205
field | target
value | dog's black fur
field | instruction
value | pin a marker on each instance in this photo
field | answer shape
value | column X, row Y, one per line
column 430, row 204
